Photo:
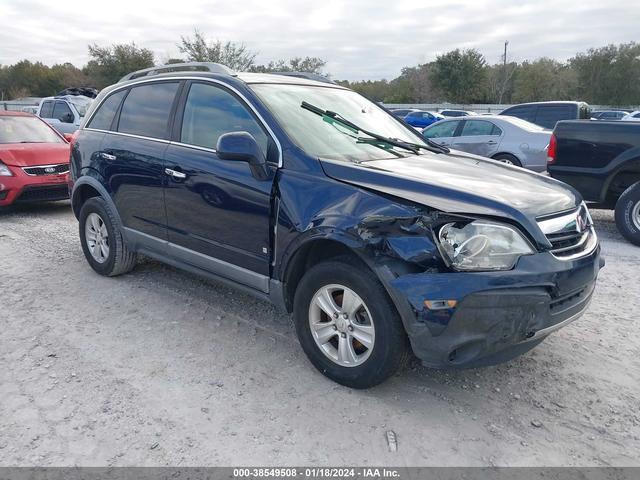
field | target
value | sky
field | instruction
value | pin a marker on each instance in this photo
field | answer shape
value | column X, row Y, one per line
column 359, row 39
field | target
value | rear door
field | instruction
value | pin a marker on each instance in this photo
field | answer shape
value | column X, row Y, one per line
column 480, row 137
column 218, row 214
column 132, row 155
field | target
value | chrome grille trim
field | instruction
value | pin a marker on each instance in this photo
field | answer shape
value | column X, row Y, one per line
column 39, row 170
column 571, row 235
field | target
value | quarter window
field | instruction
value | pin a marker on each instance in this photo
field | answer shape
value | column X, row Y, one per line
column 103, row 118
column 211, row 112
column 146, row 110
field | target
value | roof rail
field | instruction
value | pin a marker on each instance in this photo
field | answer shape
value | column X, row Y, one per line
column 177, row 67
column 308, row 75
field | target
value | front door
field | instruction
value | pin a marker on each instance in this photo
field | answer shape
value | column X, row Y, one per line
column 218, row 214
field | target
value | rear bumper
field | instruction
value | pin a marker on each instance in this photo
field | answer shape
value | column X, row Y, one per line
column 23, row 188
column 497, row 315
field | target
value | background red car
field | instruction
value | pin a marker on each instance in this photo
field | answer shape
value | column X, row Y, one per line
column 34, row 160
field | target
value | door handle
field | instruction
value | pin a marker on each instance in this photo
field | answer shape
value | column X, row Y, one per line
column 491, row 142
column 175, row 174
column 107, row 156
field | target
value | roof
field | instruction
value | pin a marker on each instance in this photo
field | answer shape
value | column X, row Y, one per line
column 567, row 102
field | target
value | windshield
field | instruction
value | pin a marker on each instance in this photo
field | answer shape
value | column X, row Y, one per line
column 323, row 139
column 26, row 130
column 81, row 103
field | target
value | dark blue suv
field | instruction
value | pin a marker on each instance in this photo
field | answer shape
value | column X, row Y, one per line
column 306, row 194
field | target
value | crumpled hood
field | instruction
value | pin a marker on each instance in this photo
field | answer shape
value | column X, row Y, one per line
column 462, row 183
column 32, row 154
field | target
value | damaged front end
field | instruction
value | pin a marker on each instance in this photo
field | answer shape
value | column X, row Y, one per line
column 496, row 303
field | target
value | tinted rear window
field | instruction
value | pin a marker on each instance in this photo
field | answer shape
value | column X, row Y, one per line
column 146, row 110
column 525, row 112
column 104, row 115
column 549, row 115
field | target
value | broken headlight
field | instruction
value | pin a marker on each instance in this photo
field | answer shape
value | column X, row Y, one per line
column 482, row 245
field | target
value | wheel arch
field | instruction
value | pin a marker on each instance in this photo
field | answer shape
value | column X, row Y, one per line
column 87, row 187
column 619, row 180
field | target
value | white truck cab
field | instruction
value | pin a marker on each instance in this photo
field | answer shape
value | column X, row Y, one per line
column 64, row 113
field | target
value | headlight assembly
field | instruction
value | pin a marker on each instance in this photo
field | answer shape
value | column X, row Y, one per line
column 481, row 245
column 4, row 171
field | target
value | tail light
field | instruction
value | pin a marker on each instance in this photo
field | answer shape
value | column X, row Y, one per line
column 551, row 149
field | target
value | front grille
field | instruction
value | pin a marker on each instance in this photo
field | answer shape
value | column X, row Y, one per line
column 47, row 169
column 43, row 194
column 571, row 235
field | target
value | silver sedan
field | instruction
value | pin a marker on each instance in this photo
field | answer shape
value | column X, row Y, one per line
column 507, row 139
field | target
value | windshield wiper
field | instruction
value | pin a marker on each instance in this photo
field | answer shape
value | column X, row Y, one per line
column 336, row 117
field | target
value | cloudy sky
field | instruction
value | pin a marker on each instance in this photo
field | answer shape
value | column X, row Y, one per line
column 360, row 39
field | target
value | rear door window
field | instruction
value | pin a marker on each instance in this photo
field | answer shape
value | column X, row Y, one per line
column 147, row 108
column 475, row 128
column 211, row 111
column 549, row 115
column 47, row 109
column 103, row 117
column 525, row 112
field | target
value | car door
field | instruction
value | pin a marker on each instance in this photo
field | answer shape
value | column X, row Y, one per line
column 132, row 155
column 442, row 132
column 218, row 213
column 480, row 137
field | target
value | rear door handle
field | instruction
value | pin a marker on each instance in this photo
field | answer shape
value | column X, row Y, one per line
column 491, row 142
column 175, row 174
column 107, row 156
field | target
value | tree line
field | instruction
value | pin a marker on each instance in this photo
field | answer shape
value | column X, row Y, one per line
column 108, row 64
column 601, row 76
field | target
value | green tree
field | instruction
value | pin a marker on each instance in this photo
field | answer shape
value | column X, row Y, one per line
column 461, row 75
column 295, row 64
column 236, row 56
column 109, row 64
column 543, row 79
column 608, row 75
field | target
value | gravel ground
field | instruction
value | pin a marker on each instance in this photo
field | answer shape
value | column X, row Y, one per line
column 159, row 367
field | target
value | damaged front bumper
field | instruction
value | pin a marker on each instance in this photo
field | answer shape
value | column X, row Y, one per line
column 485, row 318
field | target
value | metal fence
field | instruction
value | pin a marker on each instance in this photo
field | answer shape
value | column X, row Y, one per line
column 486, row 107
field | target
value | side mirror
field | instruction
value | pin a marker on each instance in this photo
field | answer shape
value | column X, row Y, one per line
column 67, row 118
column 243, row 147
column 68, row 137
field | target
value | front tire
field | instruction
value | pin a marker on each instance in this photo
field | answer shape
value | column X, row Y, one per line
column 347, row 324
column 627, row 214
column 102, row 241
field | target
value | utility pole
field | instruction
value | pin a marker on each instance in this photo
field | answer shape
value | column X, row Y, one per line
column 504, row 71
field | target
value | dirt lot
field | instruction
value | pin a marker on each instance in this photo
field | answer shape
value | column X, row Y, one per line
column 161, row 368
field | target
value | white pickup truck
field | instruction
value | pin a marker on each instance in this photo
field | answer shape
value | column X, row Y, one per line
column 64, row 113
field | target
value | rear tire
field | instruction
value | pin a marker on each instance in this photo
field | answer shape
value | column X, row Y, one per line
column 102, row 241
column 627, row 214
column 361, row 349
column 508, row 159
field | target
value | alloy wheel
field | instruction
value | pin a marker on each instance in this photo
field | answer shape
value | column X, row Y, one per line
column 97, row 237
column 341, row 325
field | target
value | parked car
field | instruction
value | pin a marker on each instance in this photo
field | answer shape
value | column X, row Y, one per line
column 608, row 115
column 64, row 113
column 34, row 160
column 422, row 119
column 456, row 113
column 547, row 114
column 335, row 210
column 403, row 112
column 602, row 161
column 632, row 117
column 507, row 139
